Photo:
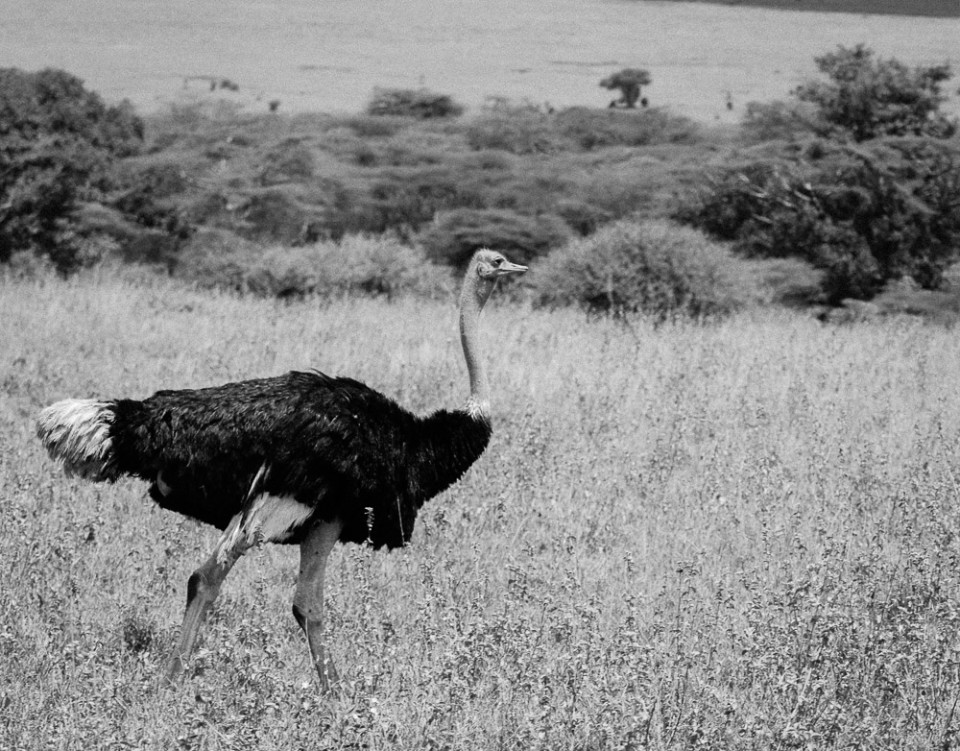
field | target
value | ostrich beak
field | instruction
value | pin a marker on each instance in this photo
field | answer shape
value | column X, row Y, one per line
column 506, row 269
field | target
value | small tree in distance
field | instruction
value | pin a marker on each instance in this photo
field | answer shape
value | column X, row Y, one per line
column 870, row 97
column 629, row 81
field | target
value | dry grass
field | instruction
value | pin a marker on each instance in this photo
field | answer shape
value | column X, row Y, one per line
column 734, row 536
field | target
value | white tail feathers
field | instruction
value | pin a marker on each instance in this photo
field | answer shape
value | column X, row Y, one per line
column 77, row 432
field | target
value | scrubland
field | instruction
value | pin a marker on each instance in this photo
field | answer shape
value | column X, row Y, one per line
column 736, row 535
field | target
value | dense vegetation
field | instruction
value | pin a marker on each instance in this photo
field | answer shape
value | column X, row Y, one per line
column 837, row 194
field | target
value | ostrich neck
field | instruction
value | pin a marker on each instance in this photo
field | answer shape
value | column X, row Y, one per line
column 471, row 303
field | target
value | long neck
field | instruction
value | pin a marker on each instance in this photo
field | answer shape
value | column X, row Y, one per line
column 471, row 303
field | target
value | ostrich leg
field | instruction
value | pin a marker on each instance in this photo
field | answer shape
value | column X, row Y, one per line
column 308, row 600
column 202, row 589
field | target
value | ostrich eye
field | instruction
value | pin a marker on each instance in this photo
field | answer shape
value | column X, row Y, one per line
column 499, row 262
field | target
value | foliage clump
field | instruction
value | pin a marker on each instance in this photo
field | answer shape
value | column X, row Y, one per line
column 868, row 97
column 866, row 215
column 421, row 104
column 57, row 143
column 657, row 267
column 593, row 129
column 529, row 130
column 519, row 129
column 777, row 120
column 456, row 235
column 356, row 265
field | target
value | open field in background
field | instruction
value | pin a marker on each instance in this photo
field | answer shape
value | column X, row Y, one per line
column 329, row 56
column 740, row 535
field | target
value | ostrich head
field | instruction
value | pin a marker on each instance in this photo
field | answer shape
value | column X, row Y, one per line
column 483, row 271
column 485, row 268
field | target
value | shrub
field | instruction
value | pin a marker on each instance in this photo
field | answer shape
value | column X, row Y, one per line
column 374, row 126
column 274, row 214
column 869, row 97
column 656, row 267
column 291, row 160
column 768, row 121
column 905, row 297
column 789, row 281
column 421, row 104
column 456, row 235
column 864, row 216
column 216, row 258
column 149, row 191
column 23, row 264
column 593, row 128
column 582, row 217
column 517, row 129
column 357, row 265
column 405, row 199
column 619, row 193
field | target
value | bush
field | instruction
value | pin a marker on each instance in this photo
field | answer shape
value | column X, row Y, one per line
column 517, row 129
column 904, row 297
column 768, row 121
column 864, row 216
column 656, row 267
column 421, row 104
column 275, row 215
column 789, row 281
column 869, row 97
column 456, row 235
column 374, row 126
column 593, row 128
column 149, row 191
column 57, row 143
column 291, row 160
column 528, row 130
column 216, row 258
column 23, row 264
column 357, row 265
column 406, row 199
column 582, row 217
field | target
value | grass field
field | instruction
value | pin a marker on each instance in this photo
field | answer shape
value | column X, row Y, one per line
column 740, row 536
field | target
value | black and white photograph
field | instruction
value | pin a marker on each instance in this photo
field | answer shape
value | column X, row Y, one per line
column 504, row 375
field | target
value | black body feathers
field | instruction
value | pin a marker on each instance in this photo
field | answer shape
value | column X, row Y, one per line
column 329, row 443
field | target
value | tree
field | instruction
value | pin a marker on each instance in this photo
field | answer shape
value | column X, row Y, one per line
column 863, row 215
column 629, row 81
column 57, row 141
column 870, row 97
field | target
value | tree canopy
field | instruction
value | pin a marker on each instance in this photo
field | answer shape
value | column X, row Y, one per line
column 869, row 97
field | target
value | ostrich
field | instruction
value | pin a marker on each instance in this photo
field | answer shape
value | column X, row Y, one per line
column 302, row 458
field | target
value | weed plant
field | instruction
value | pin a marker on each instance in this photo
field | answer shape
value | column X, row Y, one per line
column 737, row 536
